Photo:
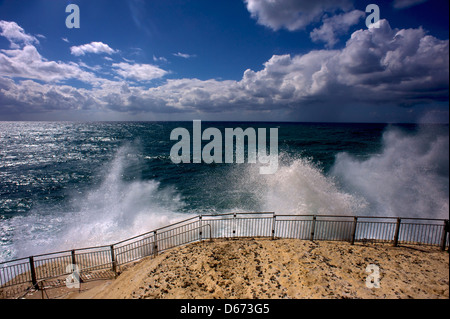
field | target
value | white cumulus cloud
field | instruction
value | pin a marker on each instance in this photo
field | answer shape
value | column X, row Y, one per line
column 292, row 14
column 28, row 63
column 138, row 72
column 15, row 34
column 335, row 26
column 93, row 47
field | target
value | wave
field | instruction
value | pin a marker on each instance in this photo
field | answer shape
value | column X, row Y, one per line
column 410, row 177
column 115, row 210
column 302, row 188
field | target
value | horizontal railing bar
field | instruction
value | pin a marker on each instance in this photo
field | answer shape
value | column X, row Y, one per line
column 364, row 217
column 251, row 218
column 243, row 213
column 149, row 234
column 126, row 249
column 431, row 220
column 137, row 236
column 402, row 218
column 218, row 215
column 173, row 235
column 333, row 216
column 155, row 230
column 182, row 221
column 317, row 216
column 105, row 266
column 187, row 231
column 63, row 252
column 238, row 218
column 14, row 260
column 290, row 215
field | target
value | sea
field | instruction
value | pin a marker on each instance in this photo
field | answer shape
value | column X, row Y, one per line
column 66, row 185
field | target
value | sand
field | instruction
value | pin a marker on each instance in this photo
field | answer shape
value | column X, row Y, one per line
column 283, row 268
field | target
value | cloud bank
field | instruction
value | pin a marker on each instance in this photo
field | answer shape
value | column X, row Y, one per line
column 376, row 66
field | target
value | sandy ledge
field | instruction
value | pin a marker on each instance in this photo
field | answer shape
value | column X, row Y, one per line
column 283, row 268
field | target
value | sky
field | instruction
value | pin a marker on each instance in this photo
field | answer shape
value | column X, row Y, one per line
column 225, row 60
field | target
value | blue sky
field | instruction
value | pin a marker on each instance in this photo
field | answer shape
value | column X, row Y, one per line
column 282, row 60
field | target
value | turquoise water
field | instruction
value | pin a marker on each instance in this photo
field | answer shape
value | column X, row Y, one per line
column 67, row 184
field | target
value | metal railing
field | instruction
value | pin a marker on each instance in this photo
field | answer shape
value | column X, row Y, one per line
column 30, row 271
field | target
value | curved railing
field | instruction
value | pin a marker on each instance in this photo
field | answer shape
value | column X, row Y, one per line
column 31, row 271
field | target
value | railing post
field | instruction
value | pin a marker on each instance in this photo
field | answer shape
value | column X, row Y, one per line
column 355, row 221
column 33, row 273
column 234, row 225
column 200, row 222
column 444, row 235
column 397, row 232
column 74, row 265
column 113, row 261
column 210, row 232
column 313, row 228
column 74, row 261
column 273, row 225
column 155, row 244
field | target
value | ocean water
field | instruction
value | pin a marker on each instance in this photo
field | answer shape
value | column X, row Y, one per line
column 67, row 185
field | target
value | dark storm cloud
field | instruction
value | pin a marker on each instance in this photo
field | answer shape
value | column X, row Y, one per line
column 401, row 67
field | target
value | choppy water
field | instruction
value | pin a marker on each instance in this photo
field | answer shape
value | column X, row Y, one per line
column 65, row 184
